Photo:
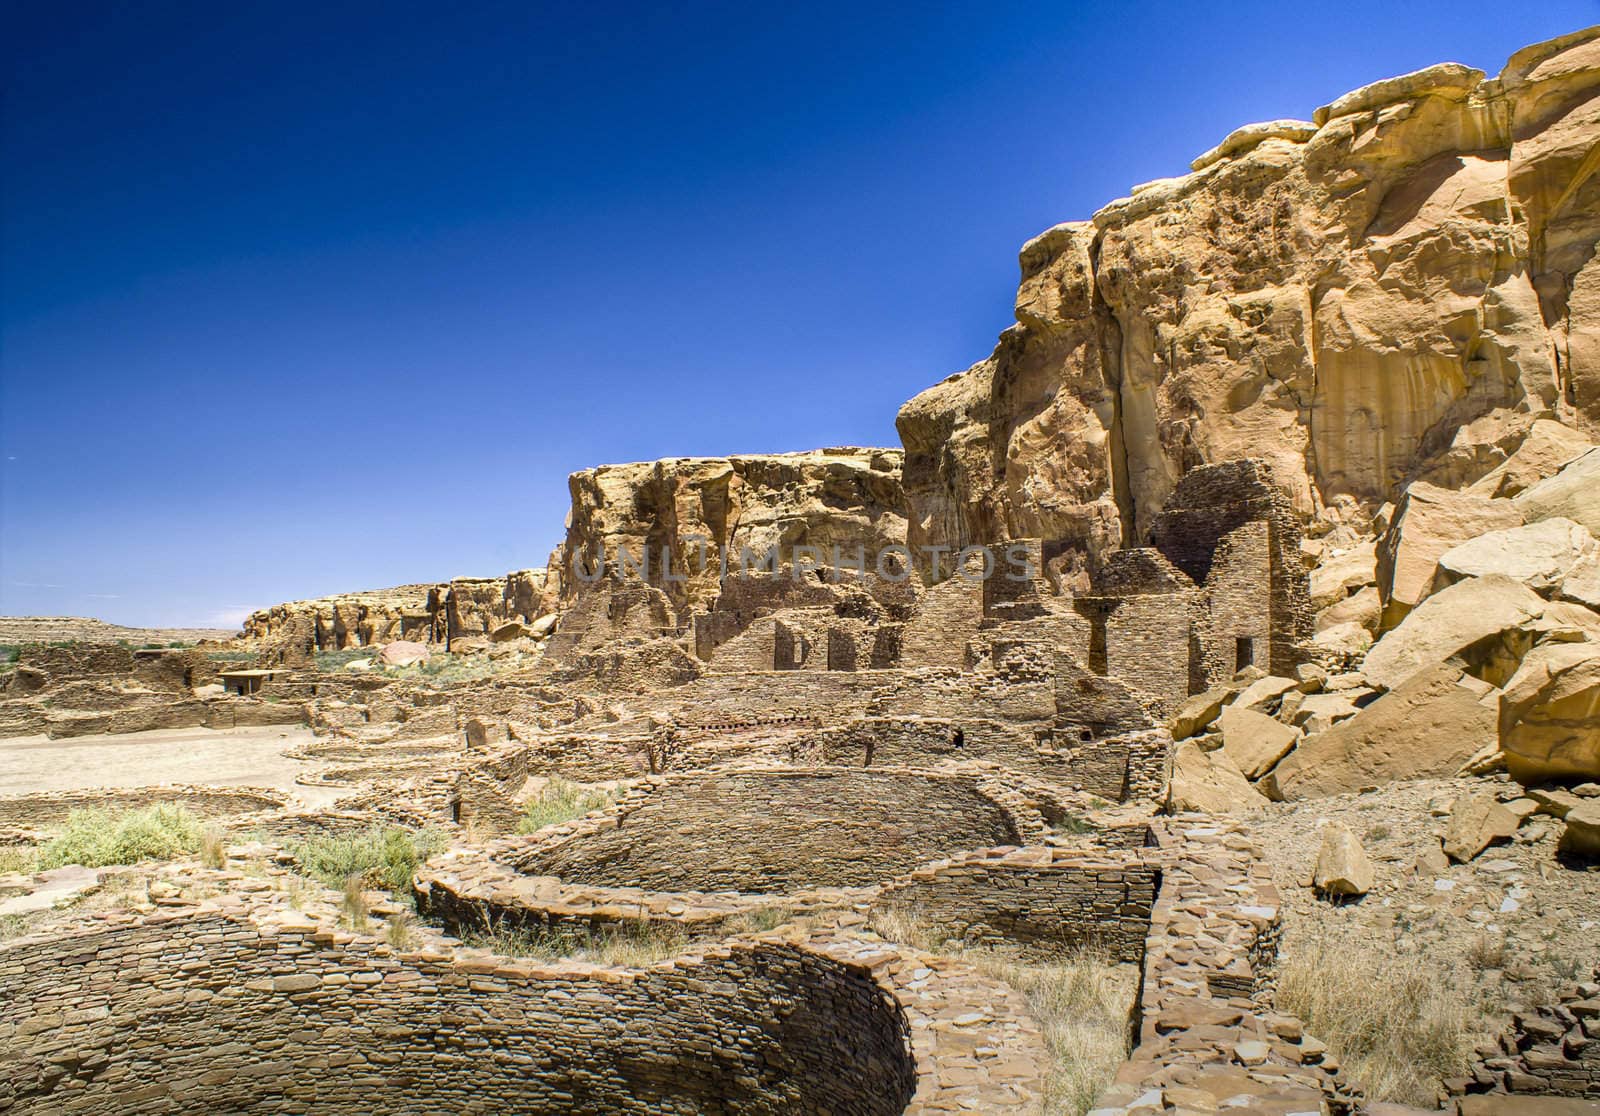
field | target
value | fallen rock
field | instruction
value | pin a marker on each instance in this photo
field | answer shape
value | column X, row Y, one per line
column 1548, row 446
column 1539, row 555
column 1210, row 783
column 1253, row 740
column 1549, row 722
column 1344, row 573
column 1581, row 838
column 1426, row 728
column 1448, row 624
column 1573, row 493
column 1364, row 608
column 1428, row 522
column 1476, row 821
column 1581, row 585
column 542, row 626
column 1199, row 710
column 403, row 652
column 1263, row 691
column 1342, row 644
column 511, row 630
column 1320, row 712
column 1342, row 864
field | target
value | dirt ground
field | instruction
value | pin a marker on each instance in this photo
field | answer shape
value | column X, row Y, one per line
column 253, row 757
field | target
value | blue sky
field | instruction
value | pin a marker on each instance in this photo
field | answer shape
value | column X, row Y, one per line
column 298, row 299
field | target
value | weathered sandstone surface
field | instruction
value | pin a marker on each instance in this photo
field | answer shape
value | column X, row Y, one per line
column 1399, row 289
column 707, row 511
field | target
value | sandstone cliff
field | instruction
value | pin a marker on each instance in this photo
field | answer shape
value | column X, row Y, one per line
column 706, row 509
column 1395, row 289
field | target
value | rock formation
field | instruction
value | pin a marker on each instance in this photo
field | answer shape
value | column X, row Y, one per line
column 1398, row 289
column 702, row 512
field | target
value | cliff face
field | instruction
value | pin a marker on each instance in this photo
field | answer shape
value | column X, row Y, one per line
column 845, row 497
column 1395, row 289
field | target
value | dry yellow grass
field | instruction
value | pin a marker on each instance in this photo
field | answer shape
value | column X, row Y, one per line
column 1400, row 1025
column 1081, row 999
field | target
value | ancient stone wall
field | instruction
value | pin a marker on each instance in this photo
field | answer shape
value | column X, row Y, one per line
column 1553, row 1050
column 47, row 810
column 775, row 830
column 1048, row 899
column 209, row 1013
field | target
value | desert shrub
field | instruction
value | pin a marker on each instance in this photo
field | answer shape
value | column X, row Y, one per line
column 1400, row 1027
column 1070, row 823
column 96, row 838
column 383, row 857
column 560, row 800
column 633, row 944
column 10, row 652
column 19, row 858
column 336, row 660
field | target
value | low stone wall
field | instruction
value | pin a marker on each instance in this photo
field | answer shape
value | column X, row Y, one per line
column 44, row 811
column 1119, row 768
column 773, row 830
column 214, row 1014
column 1039, row 897
column 237, row 1004
column 1554, row 1051
column 1208, row 1037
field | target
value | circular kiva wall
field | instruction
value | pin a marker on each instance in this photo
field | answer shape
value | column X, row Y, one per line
column 208, row 1014
column 772, row 831
column 52, row 809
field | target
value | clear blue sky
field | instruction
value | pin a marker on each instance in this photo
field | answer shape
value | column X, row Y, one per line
column 303, row 298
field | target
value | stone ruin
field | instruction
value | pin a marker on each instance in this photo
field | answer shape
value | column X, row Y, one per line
column 801, row 763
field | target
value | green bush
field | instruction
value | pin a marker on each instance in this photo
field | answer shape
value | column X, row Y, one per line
column 387, row 857
column 560, row 800
column 96, row 838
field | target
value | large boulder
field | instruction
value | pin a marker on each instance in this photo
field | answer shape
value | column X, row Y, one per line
column 1209, row 782
column 1254, row 741
column 1363, row 608
column 1581, row 839
column 1429, row 726
column 1581, row 585
column 1548, row 446
column 403, row 652
column 1573, row 493
column 1344, row 573
column 1428, row 522
column 1342, row 866
column 1454, row 622
column 1476, row 821
column 1538, row 554
column 1550, row 714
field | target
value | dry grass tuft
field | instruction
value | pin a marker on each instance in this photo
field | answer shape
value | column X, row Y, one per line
column 213, row 849
column 353, row 902
column 399, row 931
column 630, row 944
column 1400, row 1027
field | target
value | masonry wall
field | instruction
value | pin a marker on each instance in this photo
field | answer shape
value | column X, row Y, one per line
column 51, row 809
column 1043, row 898
column 774, row 831
column 207, row 1014
column 1239, row 593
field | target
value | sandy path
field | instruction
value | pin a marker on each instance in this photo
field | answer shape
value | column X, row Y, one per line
column 251, row 757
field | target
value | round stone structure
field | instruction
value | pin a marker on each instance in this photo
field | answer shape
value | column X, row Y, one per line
column 772, row 830
column 213, row 1013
